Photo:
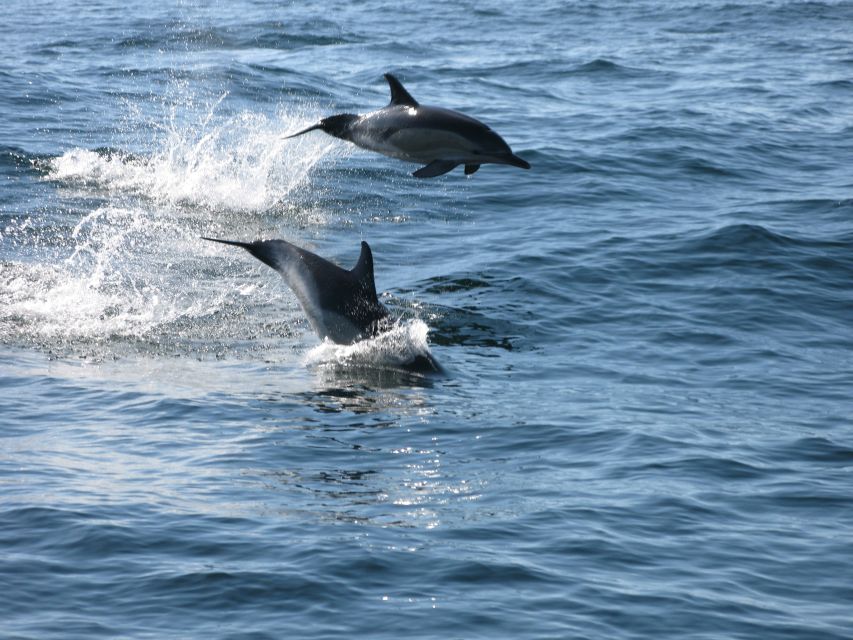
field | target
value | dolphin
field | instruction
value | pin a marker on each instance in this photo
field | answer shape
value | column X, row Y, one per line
column 341, row 305
column 438, row 138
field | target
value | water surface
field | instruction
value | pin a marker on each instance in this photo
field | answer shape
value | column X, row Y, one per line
column 644, row 429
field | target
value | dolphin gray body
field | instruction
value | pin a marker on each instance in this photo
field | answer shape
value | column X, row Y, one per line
column 440, row 139
column 340, row 304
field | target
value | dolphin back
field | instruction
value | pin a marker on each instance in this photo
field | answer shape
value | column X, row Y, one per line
column 340, row 304
column 399, row 95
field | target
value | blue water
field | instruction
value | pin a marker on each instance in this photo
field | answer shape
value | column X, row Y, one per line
column 645, row 429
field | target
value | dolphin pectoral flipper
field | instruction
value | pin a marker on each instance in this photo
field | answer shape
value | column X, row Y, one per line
column 471, row 168
column 435, row 168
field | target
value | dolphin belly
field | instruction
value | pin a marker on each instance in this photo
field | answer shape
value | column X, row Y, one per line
column 414, row 134
column 426, row 145
column 337, row 328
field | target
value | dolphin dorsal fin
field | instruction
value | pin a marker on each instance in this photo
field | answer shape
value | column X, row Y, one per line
column 363, row 270
column 399, row 95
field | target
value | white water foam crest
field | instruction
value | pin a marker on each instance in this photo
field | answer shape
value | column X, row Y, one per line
column 398, row 347
column 241, row 162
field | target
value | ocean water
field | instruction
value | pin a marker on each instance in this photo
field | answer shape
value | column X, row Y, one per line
column 645, row 426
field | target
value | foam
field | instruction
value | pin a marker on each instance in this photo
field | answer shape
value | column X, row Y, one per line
column 398, row 347
column 241, row 162
column 118, row 281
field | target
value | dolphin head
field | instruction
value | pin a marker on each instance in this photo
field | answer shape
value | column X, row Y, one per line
column 337, row 126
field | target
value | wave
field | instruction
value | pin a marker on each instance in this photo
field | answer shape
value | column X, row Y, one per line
column 600, row 65
column 263, row 35
column 743, row 237
column 738, row 237
column 739, row 254
column 20, row 160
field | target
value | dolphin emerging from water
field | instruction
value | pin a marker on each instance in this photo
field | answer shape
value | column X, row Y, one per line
column 439, row 138
column 341, row 305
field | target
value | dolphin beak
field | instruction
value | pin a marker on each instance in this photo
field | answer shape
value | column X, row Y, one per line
column 515, row 161
column 319, row 125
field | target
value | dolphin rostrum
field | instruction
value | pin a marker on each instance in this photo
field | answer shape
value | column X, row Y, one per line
column 341, row 305
column 438, row 138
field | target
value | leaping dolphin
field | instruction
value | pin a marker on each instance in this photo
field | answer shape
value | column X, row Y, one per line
column 439, row 138
column 341, row 305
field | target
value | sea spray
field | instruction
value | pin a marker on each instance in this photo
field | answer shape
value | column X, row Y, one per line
column 241, row 163
column 400, row 346
column 133, row 264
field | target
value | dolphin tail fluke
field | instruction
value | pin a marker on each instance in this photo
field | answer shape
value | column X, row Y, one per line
column 435, row 168
column 267, row 251
column 244, row 245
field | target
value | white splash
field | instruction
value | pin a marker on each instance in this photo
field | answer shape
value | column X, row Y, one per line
column 136, row 263
column 240, row 162
column 398, row 347
column 118, row 281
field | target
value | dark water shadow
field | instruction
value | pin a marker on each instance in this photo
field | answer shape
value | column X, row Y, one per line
column 368, row 390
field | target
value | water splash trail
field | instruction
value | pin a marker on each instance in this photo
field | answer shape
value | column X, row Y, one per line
column 241, row 163
column 134, row 264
